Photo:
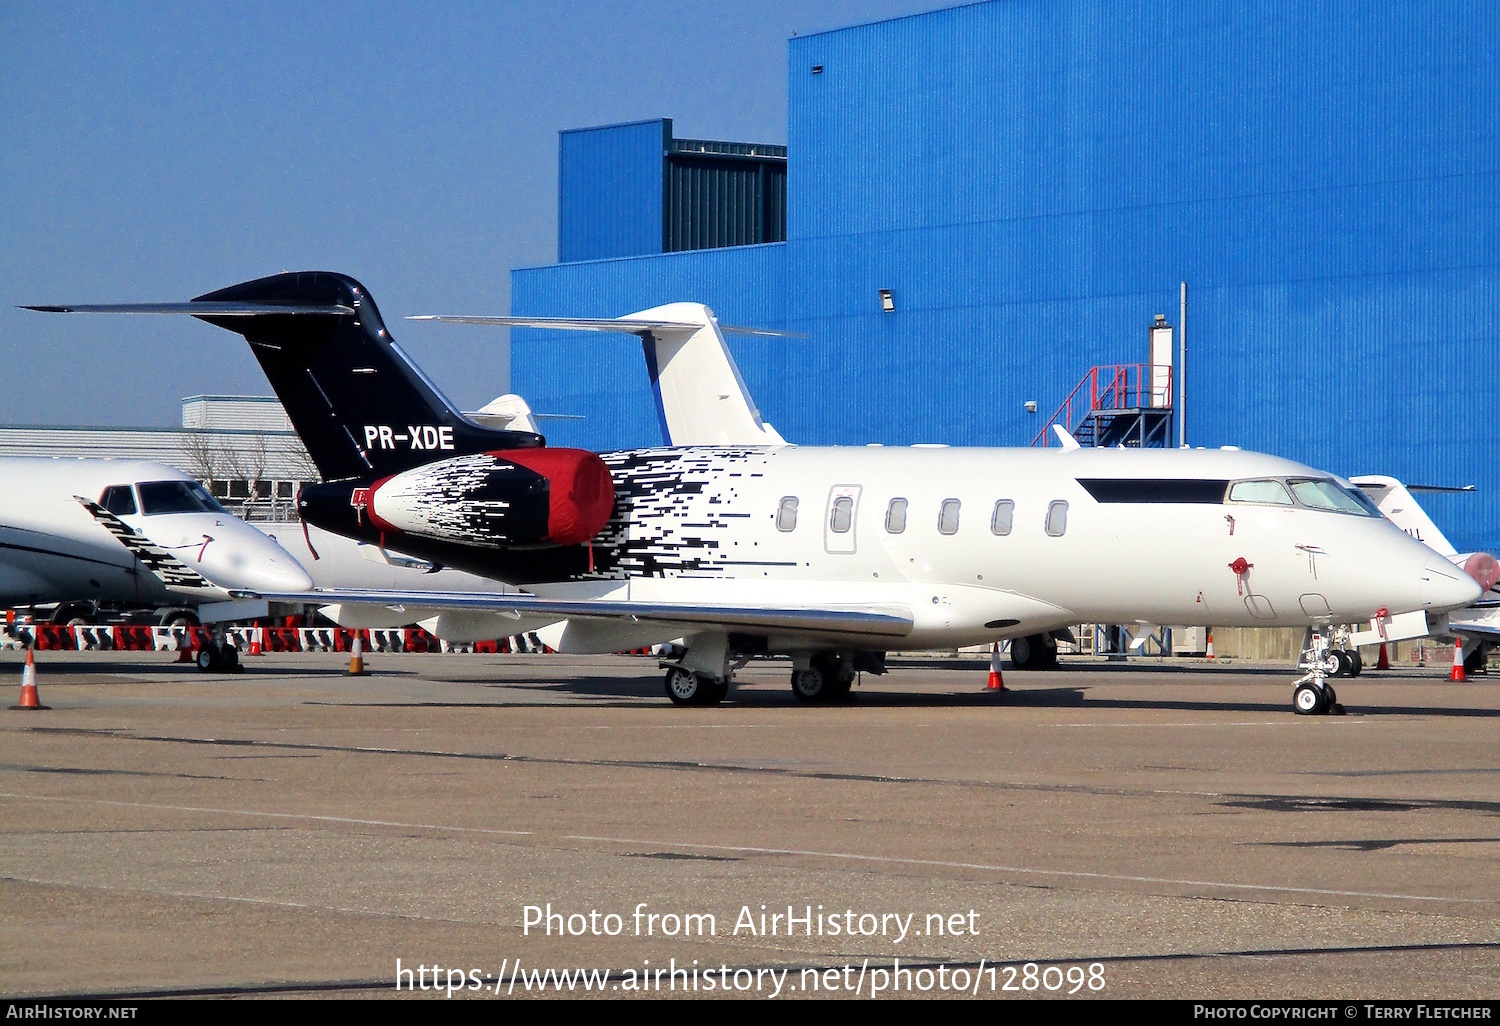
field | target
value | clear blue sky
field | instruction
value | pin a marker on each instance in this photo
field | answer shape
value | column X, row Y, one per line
column 156, row 151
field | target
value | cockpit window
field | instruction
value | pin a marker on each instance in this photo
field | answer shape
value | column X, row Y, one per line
column 1326, row 493
column 176, row 497
column 119, row 500
column 1260, row 491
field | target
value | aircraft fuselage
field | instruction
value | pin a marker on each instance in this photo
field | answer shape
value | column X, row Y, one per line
column 979, row 543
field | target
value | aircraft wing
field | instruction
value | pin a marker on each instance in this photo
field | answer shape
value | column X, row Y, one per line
column 1474, row 629
column 875, row 620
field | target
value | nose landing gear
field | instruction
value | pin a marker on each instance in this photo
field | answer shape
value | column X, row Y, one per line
column 1313, row 695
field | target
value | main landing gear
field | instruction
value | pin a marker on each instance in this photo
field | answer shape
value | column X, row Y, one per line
column 216, row 655
column 1034, row 652
column 685, row 687
column 1314, row 696
column 828, row 677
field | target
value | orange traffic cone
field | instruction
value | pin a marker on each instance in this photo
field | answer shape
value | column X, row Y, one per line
column 1210, row 644
column 997, row 682
column 255, row 648
column 357, row 657
column 1457, row 672
column 1384, row 662
column 29, row 700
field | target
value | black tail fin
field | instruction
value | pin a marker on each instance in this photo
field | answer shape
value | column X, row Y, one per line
column 360, row 405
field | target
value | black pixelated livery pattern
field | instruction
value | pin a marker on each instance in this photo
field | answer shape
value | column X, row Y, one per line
column 475, row 500
column 674, row 510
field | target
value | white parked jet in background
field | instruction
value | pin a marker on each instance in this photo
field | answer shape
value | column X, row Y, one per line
column 1477, row 626
column 128, row 532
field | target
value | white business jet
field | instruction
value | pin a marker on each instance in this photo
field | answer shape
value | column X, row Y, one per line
column 832, row 556
column 88, row 532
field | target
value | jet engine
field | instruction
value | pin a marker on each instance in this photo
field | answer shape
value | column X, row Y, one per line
column 511, row 498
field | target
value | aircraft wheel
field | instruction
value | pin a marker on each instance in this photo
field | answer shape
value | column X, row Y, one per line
column 810, row 685
column 841, row 690
column 207, row 659
column 231, row 659
column 1356, row 664
column 713, row 691
column 1475, row 661
column 1020, row 653
column 1309, row 700
column 1341, row 660
column 683, row 686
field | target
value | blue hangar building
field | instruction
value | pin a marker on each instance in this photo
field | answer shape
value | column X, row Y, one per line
column 977, row 205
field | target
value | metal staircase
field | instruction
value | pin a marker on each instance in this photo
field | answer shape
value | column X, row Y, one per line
column 1128, row 404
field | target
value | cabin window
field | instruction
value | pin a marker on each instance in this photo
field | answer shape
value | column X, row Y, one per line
column 895, row 516
column 119, row 500
column 1002, row 518
column 948, row 517
column 1057, row 518
column 842, row 517
column 786, row 514
column 1260, row 491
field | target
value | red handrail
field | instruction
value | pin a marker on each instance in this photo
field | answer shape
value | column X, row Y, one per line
column 1115, row 393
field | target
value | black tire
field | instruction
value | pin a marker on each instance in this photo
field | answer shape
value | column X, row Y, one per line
column 207, row 659
column 1021, row 653
column 810, row 685
column 1342, row 658
column 1356, row 664
column 231, row 659
column 179, row 619
column 1309, row 700
column 714, row 691
column 1475, row 661
column 684, row 687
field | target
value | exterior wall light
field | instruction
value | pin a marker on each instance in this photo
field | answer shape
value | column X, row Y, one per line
column 1031, row 406
column 887, row 303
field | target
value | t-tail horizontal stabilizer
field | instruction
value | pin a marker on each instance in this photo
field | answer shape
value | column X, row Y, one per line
column 701, row 399
column 361, row 407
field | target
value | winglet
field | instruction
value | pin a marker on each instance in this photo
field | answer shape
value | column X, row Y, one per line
column 1064, row 439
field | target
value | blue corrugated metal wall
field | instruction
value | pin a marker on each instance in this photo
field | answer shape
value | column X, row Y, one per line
column 1032, row 179
column 610, row 189
column 603, row 377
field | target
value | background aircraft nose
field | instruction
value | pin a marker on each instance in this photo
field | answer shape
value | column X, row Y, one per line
column 243, row 559
column 1447, row 587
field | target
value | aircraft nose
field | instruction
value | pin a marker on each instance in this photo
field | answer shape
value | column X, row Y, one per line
column 252, row 562
column 1447, row 587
